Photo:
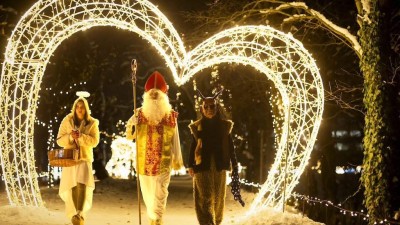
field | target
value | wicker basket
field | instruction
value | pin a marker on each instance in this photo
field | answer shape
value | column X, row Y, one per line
column 63, row 157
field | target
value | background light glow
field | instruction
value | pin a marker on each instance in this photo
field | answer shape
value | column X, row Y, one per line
column 47, row 23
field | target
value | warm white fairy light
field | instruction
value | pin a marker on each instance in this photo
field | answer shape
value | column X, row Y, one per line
column 295, row 75
column 313, row 201
column 55, row 172
column 47, row 23
column 123, row 158
column 302, row 199
column 181, row 171
column 39, row 32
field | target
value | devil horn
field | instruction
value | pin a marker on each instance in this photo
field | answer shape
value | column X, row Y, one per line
column 201, row 95
column 218, row 93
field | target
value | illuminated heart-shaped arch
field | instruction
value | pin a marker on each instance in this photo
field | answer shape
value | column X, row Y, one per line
column 47, row 23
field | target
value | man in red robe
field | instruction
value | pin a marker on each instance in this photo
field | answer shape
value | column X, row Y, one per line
column 158, row 146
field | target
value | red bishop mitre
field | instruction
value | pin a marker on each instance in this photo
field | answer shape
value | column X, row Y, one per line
column 156, row 80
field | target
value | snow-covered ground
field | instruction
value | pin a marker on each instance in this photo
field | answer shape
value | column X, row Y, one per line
column 115, row 203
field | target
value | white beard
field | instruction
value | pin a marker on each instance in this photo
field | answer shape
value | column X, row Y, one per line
column 156, row 109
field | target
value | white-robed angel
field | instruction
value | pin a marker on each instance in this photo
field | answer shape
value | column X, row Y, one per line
column 78, row 128
column 158, row 145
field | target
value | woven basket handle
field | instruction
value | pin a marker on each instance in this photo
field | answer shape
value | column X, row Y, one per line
column 78, row 148
column 75, row 141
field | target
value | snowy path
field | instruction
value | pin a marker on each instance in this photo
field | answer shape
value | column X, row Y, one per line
column 115, row 203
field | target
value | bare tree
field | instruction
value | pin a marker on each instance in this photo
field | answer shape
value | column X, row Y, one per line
column 295, row 17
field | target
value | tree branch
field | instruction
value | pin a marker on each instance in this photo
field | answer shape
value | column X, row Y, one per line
column 313, row 14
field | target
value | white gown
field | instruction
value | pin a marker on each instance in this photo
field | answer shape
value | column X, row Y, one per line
column 83, row 172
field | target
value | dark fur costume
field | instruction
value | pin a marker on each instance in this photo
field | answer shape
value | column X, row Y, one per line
column 217, row 155
column 209, row 190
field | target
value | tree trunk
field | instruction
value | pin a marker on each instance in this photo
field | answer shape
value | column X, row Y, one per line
column 376, row 144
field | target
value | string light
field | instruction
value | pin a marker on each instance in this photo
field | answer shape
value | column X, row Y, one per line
column 314, row 200
column 293, row 71
column 275, row 54
column 123, row 158
column 343, row 211
column 55, row 172
column 123, row 153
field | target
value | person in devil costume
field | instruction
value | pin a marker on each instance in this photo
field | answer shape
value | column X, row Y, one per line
column 211, row 155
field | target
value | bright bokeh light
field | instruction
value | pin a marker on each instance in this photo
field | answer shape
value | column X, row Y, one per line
column 123, row 158
column 277, row 55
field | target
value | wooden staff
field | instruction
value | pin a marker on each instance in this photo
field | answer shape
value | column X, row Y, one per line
column 134, row 68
